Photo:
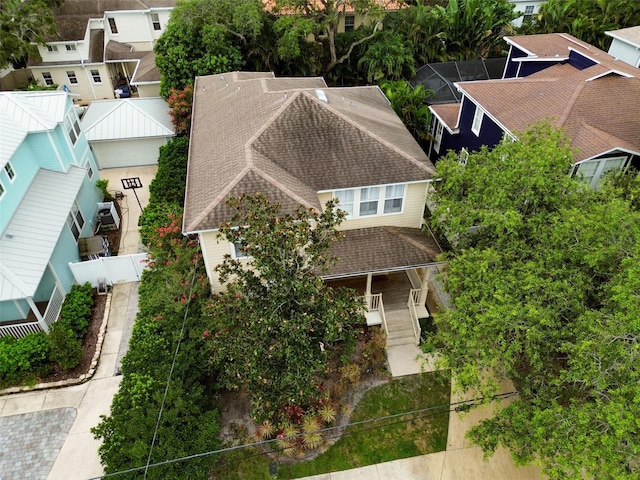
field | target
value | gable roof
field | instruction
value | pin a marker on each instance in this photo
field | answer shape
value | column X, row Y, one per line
column 630, row 35
column 25, row 112
column 34, row 231
column 127, row 118
column 597, row 108
column 254, row 132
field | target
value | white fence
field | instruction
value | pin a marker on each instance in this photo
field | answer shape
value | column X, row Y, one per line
column 119, row 269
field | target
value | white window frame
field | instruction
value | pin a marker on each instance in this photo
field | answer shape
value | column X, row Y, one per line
column 237, row 251
column 11, row 173
column 72, row 125
column 75, row 220
column 90, row 171
column 437, row 137
column 594, row 180
column 52, row 48
column 113, row 27
column 72, row 77
column 529, row 12
column 48, row 79
column 381, row 196
column 478, row 116
column 155, row 21
column 95, row 74
column 463, row 157
column 3, row 190
column 70, row 47
column 351, row 26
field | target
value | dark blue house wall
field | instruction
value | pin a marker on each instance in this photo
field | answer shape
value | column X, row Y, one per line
column 512, row 67
column 490, row 133
column 529, row 68
column 579, row 61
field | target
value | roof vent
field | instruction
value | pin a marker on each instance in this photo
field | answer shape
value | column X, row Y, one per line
column 322, row 96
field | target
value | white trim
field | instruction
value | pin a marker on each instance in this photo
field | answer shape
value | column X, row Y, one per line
column 571, row 49
column 611, row 150
column 8, row 164
column 437, row 136
column 3, row 189
column 514, row 44
column 55, row 147
column 617, row 72
column 601, row 162
column 380, row 200
column 331, row 190
column 540, row 59
column 488, row 114
column 478, row 117
column 452, row 132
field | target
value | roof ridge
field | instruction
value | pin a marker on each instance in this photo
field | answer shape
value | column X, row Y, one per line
column 27, row 108
column 134, row 104
column 570, row 103
column 102, row 117
column 280, row 187
column 367, row 132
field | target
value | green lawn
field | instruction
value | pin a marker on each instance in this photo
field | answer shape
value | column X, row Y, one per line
column 375, row 442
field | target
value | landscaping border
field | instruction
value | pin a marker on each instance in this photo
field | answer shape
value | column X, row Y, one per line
column 71, row 381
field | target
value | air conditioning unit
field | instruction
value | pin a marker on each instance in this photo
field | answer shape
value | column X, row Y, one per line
column 108, row 216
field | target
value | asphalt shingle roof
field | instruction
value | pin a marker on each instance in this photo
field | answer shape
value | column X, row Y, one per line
column 252, row 132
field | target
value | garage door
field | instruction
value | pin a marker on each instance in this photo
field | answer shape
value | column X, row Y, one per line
column 127, row 153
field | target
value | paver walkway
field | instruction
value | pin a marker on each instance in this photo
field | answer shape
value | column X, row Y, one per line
column 30, row 443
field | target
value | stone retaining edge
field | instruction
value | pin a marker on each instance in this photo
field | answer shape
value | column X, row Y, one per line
column 71, row 381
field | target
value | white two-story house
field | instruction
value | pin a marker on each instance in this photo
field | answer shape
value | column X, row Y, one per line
column 101, row 46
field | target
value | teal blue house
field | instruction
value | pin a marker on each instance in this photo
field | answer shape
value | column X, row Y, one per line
column 48, row 200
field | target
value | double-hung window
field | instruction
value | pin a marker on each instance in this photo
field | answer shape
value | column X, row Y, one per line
column 72, row 124
column 528, row 12
column 592, row 171
column 52, row 48
column 2, row 190
column 349, row 23
column 95, row 74
column 437, row 138
column 75, row 220
column 70, row 47
column 477, row 121
column 11, row 173
column 112, row 25
column 71, row 75
column 48, row 80
column 369, row 201
column 155, row 19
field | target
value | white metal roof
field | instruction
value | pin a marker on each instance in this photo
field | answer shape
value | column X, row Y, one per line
column 25, row 112
column 28, row 241
column 127, row 118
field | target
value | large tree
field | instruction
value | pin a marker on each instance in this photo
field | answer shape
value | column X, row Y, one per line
column 299, row 19
column 275, row 326
column 543, row 295
column 205, row 37
column 22, row 23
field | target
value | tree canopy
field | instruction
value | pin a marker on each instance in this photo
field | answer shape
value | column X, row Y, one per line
column 543, row 295
column 21, row 23
column 275, row 326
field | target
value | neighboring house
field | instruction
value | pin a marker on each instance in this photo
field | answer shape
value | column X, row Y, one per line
column 101, row 46
column 593, row 97
column 528, row 10
column 127, row 132
column 625, row 45
column 48, row 201
column 301, row 143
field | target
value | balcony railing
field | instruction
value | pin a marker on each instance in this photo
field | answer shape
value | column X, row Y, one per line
column 414, row 300
column 373, row 304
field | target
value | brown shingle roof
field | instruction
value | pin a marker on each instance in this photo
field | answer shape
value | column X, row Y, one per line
column 448, row 113
column 146, row 70
column 257, row 133
column 596, row 113
column 630, row 34
column 96, row 46
column 379, row 249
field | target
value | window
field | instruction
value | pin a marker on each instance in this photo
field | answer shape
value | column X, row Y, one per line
column 349, row 23
column 592, row 171
column 155, row 19
column 477, row 121
column 528, row 13
column 72, row 124
column 345, row 200
column 70, row 48
column 2, row 190
column 369, row 201
column 463, row 157
column 112, row 25
column 238, row 250
column 46, row 76
column 8, row 169
column 89, row 172
column 393, row 196
column 438, row 136
column 71, row 75
column 52, row 48
column 95, row 74
column 75, row 220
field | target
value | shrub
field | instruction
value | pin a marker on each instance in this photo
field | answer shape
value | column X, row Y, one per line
column 66, row 348
column 24, row 357
column 169, row 183
column 75, row 313
column 155, row 216
column 102, row 185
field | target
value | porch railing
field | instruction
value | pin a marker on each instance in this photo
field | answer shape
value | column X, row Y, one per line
column 374, row 303
column 20, row 330
column 414, row 299
column 54, row 306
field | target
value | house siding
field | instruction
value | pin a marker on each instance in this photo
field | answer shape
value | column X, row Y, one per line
column 214, row 248
column 579, row 61
column 511, row 70
column 529, row 68
column 9, row 311
column 411, row 215
column 625, row 52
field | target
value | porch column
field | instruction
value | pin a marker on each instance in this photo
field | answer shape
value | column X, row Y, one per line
column 424, row 287
column 39, row 317
column 368, row 290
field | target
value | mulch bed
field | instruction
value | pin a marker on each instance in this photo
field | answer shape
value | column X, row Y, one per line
column 88, row 344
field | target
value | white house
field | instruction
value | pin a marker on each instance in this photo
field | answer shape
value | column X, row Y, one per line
column 625, row 45
column 527, row 8
column 100, row 46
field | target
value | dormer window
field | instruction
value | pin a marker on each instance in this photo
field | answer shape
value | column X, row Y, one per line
column 477, row 121
column 52, row 48
column 112, row 25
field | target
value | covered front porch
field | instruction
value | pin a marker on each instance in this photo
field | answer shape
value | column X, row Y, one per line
column 391, row 267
